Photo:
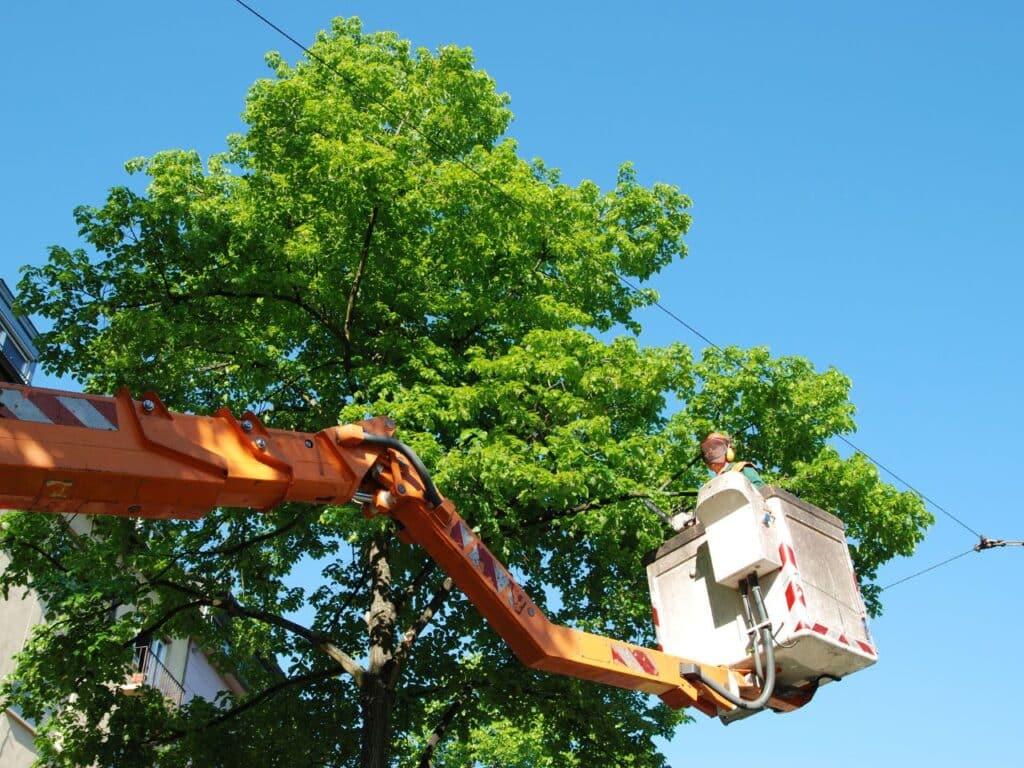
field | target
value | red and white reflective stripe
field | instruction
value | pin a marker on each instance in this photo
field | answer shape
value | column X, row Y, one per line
column 838, row 636
column 657, row 625
column 461, row 535
column 64, row 410
column 796, row 603
column 787, row 555
column 491, row 568
column 634, row 659
column 794, row 594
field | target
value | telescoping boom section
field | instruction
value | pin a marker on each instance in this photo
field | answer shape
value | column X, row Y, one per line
column 63, row 452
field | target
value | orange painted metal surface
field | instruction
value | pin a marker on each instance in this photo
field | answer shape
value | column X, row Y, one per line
column 154, row 463
column 536, row 641
column 68, row 452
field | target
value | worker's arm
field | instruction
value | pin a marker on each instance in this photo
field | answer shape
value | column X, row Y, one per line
column 753, row 476
column 67, row 452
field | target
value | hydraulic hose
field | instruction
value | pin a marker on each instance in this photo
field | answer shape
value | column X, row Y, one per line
column 758, row 669
column 429, row 489
column 767, row 642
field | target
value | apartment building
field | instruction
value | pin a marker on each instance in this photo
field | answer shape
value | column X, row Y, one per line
column 176, row 666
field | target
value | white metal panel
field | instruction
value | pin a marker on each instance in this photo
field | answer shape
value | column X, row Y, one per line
column 817, row 614
column 742, row 536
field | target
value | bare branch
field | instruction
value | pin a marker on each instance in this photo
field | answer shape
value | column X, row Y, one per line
column 233, row 549
column 252, row 701
column 364, row 253
column 414, row 586
column 551, row 515
column 229, row 604
column 425, row 617
column 449, row 714
column 147, row 630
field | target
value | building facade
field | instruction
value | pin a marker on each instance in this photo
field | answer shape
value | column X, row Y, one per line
column 176, row 666
column 18, row 352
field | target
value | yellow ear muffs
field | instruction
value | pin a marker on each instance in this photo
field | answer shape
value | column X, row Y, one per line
column 730, row 454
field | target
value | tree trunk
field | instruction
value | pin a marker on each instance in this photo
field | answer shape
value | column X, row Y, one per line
column 377, row 695
column 377, row 700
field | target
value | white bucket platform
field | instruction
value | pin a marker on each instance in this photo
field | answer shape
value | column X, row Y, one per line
column 800, row 556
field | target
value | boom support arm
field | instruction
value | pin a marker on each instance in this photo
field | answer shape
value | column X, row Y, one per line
column 74, row 453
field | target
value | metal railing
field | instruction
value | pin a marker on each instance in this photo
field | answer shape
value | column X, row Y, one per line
column 152, row 672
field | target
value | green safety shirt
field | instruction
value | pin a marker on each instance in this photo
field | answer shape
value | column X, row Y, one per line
column 748, row 472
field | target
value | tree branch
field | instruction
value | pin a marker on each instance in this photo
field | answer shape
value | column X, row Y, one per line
column 414, row 586
column 40, row 551
column 294, row 299
column 163, row 620
column 230, row 605
column 364, row 253
column 449, row 714
column 380, row 620
column 252, row 701
column 551, row 515
column 245, row 544
column 413, row 632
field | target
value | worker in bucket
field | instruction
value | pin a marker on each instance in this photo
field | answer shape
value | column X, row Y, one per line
column 720, row 458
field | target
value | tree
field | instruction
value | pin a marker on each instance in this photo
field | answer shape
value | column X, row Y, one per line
column 373, row 243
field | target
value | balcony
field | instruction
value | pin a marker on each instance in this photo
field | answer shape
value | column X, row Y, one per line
column 148, row 670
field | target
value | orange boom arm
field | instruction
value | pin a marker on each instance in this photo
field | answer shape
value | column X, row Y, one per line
column 75, row 453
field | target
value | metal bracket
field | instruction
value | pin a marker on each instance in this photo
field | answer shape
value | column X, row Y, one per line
column 690, row 671
column 984, row 542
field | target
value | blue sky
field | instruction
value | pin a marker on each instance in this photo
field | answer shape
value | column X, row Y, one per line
column 855, row 174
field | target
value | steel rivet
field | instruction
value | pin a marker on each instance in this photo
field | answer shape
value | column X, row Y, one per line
column 261, row 443
column 246, row 425
column 134, row 509
column 401, row 488
column 148, row 406
column 309, row 443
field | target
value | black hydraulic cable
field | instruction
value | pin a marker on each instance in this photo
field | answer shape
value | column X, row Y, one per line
column 429, row 489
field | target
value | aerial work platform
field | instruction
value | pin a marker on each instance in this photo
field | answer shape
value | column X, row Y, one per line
column 794, row 552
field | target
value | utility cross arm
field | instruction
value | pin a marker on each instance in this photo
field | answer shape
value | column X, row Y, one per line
column 65, row 452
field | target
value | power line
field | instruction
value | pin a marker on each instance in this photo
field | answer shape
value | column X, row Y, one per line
column 930, row 568
column 430, row 140
column 935, row 504
column 406, row 119
column 983, row 544
column 284, row 34
column 671, row 314
column 859, row 450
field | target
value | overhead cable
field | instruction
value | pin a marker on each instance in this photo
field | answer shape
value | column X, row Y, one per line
column 929, row 568
column 432, row 141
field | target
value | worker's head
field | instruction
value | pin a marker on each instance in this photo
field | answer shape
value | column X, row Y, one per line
column 717, row 450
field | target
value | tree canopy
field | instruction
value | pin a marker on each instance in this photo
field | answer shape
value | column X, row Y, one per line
column 374, row 243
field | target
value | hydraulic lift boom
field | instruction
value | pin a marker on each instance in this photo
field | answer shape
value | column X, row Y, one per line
column 64, row 452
